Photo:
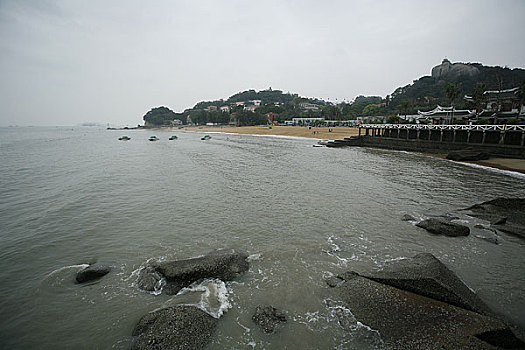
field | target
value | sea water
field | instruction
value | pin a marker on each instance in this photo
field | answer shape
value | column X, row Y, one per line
column 74, row 196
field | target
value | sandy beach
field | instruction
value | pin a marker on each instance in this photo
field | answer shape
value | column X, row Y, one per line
column 337, row 133
column 298, row 131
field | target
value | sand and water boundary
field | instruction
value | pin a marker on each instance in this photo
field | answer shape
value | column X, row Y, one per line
column 337, row 133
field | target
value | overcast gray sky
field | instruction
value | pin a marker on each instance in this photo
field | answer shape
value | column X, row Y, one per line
column 65, row 62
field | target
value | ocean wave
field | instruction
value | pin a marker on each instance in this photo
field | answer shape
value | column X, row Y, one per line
column 495, row 170
column 64, row 268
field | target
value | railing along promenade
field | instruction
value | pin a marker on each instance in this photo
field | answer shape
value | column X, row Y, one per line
column 512, row 135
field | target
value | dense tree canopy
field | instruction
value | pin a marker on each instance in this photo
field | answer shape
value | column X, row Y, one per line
column 161, row 116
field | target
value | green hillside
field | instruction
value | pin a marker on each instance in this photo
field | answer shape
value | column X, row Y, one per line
column 424, row 93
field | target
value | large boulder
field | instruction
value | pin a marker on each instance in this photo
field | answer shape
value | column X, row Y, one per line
column 425, row 275
column 467, row 155
column 226, row 265
column 506, row 214
column 443, row 227
column 268, row 318
column 406, row 320
column 179, row 327
column 92, row 272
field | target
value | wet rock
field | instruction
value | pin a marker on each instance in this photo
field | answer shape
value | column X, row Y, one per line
column 502, row 338
column 178, row 327
column 226, row 265
column 333, row 281
column 149, row 279
column 499, row 221
column 499, row 209
column 487, row 234
column 92, row 272
column 406, row 320
column 512, row 229
column 268, row 318
column 440, row 215
column 408, row 217
column 443, row 227
column 467, row 155
column 481, row 227
column 425, row 275
column 491, row 239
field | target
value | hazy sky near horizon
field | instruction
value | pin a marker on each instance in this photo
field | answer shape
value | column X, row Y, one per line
column 64, row 62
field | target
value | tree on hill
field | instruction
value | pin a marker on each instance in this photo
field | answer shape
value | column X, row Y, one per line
column 521, row 94
column 161, row 116
column 478, row 98
column 372, row 109
column 404, row 106
column 453, row 91
column 266, row 96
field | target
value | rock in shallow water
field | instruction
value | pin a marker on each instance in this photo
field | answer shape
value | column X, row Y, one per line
column 179, row 327
column 92, row 272
column 506, row 214
column 409, row 321
column 408, row 217
column 226, row 265
column 268, row 318
column 425, row 275
column 444, row 228
column 468, row 155
column 419, row 303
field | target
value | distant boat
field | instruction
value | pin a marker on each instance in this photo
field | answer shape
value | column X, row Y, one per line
column 124, row 138
column 154, row 138
column 206, row 137
column 173, row 138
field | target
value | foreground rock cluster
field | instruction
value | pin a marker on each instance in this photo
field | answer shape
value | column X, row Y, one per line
column 416, row 303
column 184, row 326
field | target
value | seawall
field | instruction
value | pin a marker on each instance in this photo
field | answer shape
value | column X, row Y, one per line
column 498, row 141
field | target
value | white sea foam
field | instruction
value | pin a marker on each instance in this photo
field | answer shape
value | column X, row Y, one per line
column 246, row 329
column 157, row 289
column 254, row 257
column 256, row 135
column 496, row 170
column 334, row 249
column 214, row 297
column 77, row 267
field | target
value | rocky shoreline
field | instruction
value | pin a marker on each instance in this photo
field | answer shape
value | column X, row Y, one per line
column 414, row 303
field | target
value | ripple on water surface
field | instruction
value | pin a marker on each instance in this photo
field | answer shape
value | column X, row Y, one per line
column 75, row 196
